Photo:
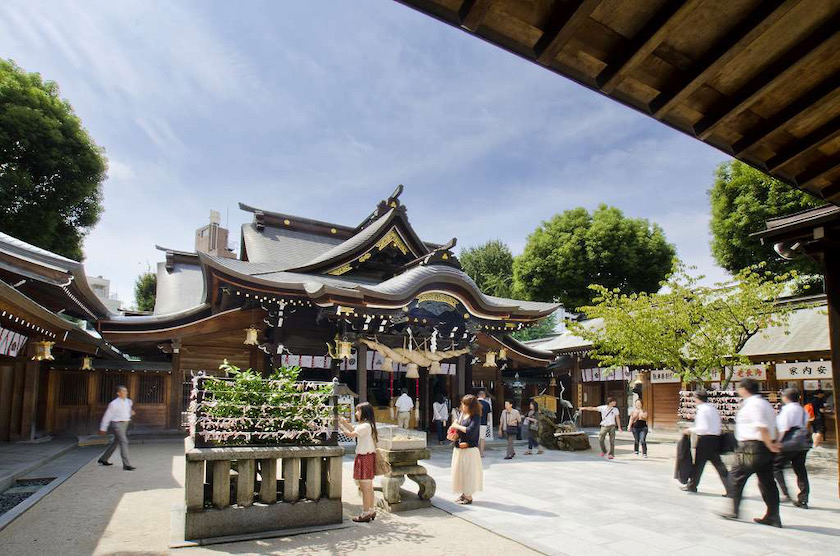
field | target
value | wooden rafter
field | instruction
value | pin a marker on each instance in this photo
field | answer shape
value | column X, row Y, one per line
column 817, row 96
column 783, row 68
column 643, row 44
column 562, row 24
column 731, row 45
column 472, row 13
column 820, row 136
column 817, row 171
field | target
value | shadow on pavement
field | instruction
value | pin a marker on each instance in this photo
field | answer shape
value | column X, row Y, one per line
column 515, row 509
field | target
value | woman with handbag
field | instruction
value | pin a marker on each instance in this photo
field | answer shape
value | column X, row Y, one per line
column 533, row 422
column 509, row 426
column 364, row 466
column 467, row 472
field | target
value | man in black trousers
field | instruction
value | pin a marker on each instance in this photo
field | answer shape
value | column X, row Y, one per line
column 707, row 427
column 792, row 423
column 755, row 429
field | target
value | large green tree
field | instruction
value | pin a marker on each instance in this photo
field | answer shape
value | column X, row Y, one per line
column 51, row 171
column 574, row 249
column 490, row 266
column 742, row 199
column 145, row 291
column 543, row 328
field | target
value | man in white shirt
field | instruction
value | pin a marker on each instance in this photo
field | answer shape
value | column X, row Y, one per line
column 404, row 405
column 707, row 427
column 755, row 430
column 118, row 415
column 792, row 420
column 610, row 421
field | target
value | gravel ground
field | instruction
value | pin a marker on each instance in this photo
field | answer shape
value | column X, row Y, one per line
column 9, row 501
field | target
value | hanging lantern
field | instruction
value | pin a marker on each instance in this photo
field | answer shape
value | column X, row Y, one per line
column 87, row 363
column 435, row 368
column 413, row 371
column 503, row 354
column 345, row 349
column 490, row 359
column 43, row 351
column 252, row 336
column 387, row 365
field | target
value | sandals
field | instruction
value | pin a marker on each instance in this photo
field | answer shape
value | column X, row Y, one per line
column 464, row 501
column 365, row 518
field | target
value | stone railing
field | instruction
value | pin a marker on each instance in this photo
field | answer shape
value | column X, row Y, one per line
column 241, row 490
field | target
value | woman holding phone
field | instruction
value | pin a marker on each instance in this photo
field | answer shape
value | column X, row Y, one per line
column 467, row 472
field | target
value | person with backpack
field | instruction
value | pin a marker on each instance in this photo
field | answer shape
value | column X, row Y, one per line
column 792, row 425
column 610, row 421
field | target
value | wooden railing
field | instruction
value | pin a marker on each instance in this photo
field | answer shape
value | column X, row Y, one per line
column 239, row 490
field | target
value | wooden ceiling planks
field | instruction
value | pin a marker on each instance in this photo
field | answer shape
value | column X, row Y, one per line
column 756, row 79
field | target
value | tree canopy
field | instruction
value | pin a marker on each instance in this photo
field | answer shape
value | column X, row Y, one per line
column 490, row 266
column 543, row 328
column 51, row 171
column 145, row 291
column 742, row 199
column 691, row 329
column 574, row 249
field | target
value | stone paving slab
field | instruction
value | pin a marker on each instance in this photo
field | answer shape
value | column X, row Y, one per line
column 18, row 458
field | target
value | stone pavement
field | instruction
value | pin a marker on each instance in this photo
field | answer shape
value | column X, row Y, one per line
column 578, row 503
column 111, row 511
column 18, row 458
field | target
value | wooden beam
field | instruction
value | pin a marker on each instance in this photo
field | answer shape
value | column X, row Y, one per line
column 832, row 289
column 643, row 44
column 820, row 94
column 472, row 13
column 817, row 171
column 731, row 45
column 783, row 69
column 565, row 20
column 827, row 132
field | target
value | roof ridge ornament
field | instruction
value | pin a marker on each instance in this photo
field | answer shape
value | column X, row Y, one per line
column 392, row 202
column 442, row 255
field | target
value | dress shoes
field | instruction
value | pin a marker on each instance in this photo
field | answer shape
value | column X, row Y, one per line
column 129, row 467
column 106, row 463
column 771, row 521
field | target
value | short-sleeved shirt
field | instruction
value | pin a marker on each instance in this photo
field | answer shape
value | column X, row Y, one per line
column 364, row 439
column 791, row 416
column 755, row 414
column 608, row 415
column 485, row 411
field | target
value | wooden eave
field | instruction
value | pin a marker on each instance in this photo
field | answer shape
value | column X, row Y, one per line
column 758, row 80
column 516, row 350
column 126, row 332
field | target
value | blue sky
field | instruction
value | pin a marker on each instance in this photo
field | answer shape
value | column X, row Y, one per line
column 320, row 108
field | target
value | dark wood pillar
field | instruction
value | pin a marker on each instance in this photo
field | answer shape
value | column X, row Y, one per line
column 32, row 371
column 832, row 288
column 424, row 400
column 176, row 387
column 17, row 402
column 461, row 378
column 361, row 372
column 7, row 378
column 498, row 393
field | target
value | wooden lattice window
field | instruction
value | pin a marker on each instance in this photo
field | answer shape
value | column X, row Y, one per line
column 72, row 388
column 108, row 385
column 151, row 388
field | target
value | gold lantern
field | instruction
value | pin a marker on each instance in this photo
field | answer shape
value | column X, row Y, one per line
column 252, row 336
column 490, row 359
column 43, row 351
column 342, row 350
column 503, row 354
column 413, row 371
column 87, row 363
column 387, row 365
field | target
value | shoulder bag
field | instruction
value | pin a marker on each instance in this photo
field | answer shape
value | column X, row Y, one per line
column 381, row 467
column 797, row 439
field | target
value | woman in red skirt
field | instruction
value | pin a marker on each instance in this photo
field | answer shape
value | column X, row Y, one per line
column 364, row 466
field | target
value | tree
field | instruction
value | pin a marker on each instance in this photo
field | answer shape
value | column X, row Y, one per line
column 543, row 328
column 691, row 329
column 742, row 199
column 51, row 171
column 145, row 290
column 490, row 266
column 574, row 249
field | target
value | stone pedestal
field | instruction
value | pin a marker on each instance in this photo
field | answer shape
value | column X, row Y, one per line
column 404, row 464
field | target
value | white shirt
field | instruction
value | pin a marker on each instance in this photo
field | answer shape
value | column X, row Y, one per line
column 706, row 420
column 364, row 439
column 608, row 415
column 440, row 411
column 404, row 403
column 791, row 416
column 755, row 414
column 118, row 410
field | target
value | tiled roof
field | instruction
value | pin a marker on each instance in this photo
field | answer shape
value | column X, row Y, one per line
column 178, row 289
column 284, row 248
column 354, row 242
column 807, row 331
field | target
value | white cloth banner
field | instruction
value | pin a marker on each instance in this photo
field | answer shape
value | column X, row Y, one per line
column 11, row 343
column 806, row 370
column 758, row 372
column 664, row 376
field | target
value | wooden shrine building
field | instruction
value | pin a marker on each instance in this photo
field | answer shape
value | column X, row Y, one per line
column 371, row 304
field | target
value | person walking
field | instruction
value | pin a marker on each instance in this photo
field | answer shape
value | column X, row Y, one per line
column 404, row 405
column 467, row 472
column 818, row 424
column 509, row 425
column 364, row 465
column 610, row 421
column 792, row 426
column 118, row 416
column 638, row 425
column 440, row 415
column 755, row 430
column 532, row 421
column 486, row 415
column 707, row 427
